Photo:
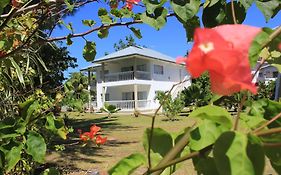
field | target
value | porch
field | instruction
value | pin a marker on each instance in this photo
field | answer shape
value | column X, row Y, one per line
column 128, row 97
column 130, row 104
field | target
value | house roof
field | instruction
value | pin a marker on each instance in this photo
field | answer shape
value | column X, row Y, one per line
column 136, row 50
column 93, row 65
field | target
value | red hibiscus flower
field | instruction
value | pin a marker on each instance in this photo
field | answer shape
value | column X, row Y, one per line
column 94, row 129
column 100, row 140
column 223, row 51
column 86, row 136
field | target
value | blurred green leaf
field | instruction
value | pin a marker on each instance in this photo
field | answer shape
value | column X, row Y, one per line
column 185, row 10
column 89, row 51
column 267, row 7
column 161, row 143
column 156, row 20
column 230, row 154
column 127, row 165
column 136, row 32
column 36, row 146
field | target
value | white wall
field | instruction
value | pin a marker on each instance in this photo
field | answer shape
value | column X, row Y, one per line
column 163, row 82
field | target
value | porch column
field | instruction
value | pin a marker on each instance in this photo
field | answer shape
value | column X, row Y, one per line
column 135, row 68
column 89, row 89
column 136, row 96
column 102, row 80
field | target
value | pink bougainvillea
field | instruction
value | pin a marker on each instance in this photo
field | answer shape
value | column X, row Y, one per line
column 223, row 52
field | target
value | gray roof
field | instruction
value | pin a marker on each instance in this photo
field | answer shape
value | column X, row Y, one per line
column 136, row 50
column 93, row 65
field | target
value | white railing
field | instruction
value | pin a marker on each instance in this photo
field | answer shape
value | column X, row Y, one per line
column 143, row 75
column 129, row 104
column 129, row 75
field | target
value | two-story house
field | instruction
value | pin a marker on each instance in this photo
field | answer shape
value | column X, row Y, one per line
column 131, row 77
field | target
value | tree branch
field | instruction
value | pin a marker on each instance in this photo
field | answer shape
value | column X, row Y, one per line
column 99, row 28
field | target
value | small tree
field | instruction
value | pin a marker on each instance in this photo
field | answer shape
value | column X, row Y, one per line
column 171, row 107
column 110, row 109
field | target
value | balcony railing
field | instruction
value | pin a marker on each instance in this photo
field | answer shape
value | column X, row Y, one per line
column 130, row 104
column 129, row 75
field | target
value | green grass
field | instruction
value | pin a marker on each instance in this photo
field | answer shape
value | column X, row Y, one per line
column 124, row 134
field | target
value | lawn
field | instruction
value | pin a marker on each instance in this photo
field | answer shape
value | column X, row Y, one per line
column 124, row 134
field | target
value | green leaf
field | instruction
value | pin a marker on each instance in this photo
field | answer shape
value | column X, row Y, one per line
column 256, row 46
column 185, row 10
column 70, row 7
column 190, row 27
column 68, row 39
column 24, row 107
column 104, row 17
column 50, row 171
column 151, row 5
column 210, row 3
column 267, row 7
column 103, row 33
column 136, row 32
column 32, row 111
column 116, row 12
column 240, row 13
column 256, row 154
column 12, row 157
column 161, row 143
column 205, row 134
column 126, row 13
column 3, row 4
column 214, row 113
column 214, row 15
column 230, row 153
column 89, row 22
column 18, row 71
column 274, row 155
column 246, row 3
column 57, row 126
column 221, row 13
column 252, row 122
column 127, row 165
column 36, row 146
column 89, row 51
column 156, row 20
column 206, row 166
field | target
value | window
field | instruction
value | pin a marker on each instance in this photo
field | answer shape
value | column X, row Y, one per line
column 142, row 95
column 158, row 69
column 126, row 69
column 106, row 97
column 141, row 67
column 127, row 96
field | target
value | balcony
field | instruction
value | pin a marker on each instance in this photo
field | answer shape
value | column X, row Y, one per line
column 129, row 75
column 130, row 104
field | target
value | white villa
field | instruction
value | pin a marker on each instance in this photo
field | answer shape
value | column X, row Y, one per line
column 266, row 73
column 130, row 78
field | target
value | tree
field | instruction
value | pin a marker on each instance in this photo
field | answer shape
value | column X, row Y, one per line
column 76, row 93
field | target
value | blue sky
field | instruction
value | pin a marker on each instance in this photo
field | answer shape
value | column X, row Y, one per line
column 170, row 40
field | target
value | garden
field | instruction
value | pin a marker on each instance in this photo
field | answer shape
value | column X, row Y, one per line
column 224, row 123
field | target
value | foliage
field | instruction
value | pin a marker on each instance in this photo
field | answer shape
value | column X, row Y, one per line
column 199, row 93
column 25, row 135
column 76, row 93
column 171, row 107
column 109, row 109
